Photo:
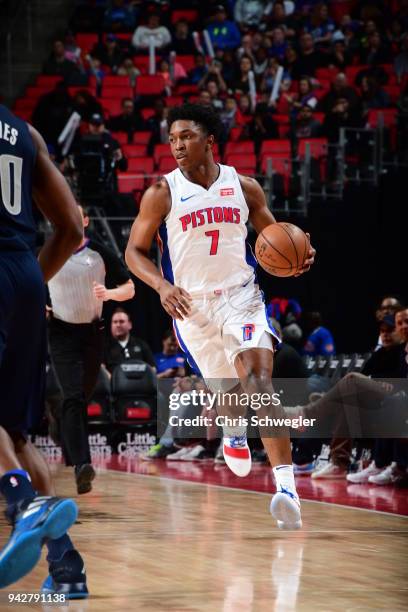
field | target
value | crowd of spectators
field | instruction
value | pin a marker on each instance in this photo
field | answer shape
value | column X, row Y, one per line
column 340, row 61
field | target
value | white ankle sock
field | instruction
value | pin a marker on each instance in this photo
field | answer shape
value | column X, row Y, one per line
column 284, row 477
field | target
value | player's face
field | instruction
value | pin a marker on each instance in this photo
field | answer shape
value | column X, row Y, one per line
column 401, row 324
column 189, row 144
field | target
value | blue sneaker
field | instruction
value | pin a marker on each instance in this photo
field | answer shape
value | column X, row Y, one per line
column 305, row 469
column 34, row 521
column 67, row 576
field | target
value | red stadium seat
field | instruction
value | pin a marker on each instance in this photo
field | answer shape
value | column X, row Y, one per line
column 25, row 104
column 167, row 164
column 326, row 74
column 149, row 85
column 352, row 72
column 127, row 183
column 147, row 113
column 275, row 146
column 187, row 61
column 142, row 137
column 387, row 115
column 141, row 165
column 74, row 90
column 112, row 106
column 161, row 150
column 187, row 89
column 279, row 166
column 318, row 147
column 174, row 100
column 86, row 42
column 134, row 150
column 117, row 92
column 243, row 160
column 235, row 134
column 116, row 81
column 46, row 80
column 394, row 91
column 142, row 63
column 187, row 15
column 24, row 114
column 245, row 170
column 121, row 137
column 37, row 92
column 245, row 146
column 339, row 8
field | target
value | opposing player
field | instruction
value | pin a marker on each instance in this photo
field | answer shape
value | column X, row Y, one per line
column 27, row 174
column 209, row 285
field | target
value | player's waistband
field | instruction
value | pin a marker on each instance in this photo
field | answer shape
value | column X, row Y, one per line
column 223, row 291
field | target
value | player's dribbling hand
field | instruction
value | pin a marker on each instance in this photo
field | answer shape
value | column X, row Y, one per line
column 309, row 259
column 175, row 301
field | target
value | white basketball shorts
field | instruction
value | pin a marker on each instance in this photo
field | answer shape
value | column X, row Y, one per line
column 221, row 325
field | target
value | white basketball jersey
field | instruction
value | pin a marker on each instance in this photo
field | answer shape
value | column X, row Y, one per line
column 204, row 235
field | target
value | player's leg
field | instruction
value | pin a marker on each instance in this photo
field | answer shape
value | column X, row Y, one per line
column 66, row 567
column 254, row 367
column 22, row 370
column 67, row 344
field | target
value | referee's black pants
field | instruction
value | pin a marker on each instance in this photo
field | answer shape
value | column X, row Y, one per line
column 76, row 352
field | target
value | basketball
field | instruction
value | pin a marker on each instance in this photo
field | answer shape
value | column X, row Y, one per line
column 281, row 249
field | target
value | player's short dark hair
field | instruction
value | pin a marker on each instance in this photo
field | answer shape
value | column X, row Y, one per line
column 205, row 116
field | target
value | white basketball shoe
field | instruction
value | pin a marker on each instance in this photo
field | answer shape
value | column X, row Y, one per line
column 237, row 455
column 285, row 508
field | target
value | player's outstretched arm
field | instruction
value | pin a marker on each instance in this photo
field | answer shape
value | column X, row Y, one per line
column 154, row 207
column 260, row 216
column 53, row 197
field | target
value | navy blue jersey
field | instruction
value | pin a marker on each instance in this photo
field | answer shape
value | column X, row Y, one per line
column 17, row 158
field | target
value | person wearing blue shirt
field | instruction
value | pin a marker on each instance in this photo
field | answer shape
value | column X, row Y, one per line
column 320, row 340
column 170, row 362
column 224, row 34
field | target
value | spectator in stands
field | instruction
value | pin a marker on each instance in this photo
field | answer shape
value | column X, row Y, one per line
column 199, row 71
column 309, row 59
column 72, row 51
column 319, row 339
column 152, row 31
column 172, row 74
column 129, row 120
column 109, row 53
column 401, row 61
column 372, row 94
column 86, row 104
column 182, row 41
column 389, row 306
column 123, row 345
column 213, row 74
column 320, row 26
column 156, row 122
column 342, row 115
column 229, row 67
column 241, row 84
column 111, row 146
column 58, row 65
column 340, row 57
column 260, row 62
column 290, row 62
column 170, row 362
column 376, row 52
column 127, row 68
column 339, row 90
column 204, row 98
column 306, row 125
column 213, row 90
column 263, row 127
column 229, row 116
column 119, row 17
column 279, row 17
column 244, row 104
column 52, row 113
column 305, row 97
column 249, row 13
column 224, row 34
column 279, row 44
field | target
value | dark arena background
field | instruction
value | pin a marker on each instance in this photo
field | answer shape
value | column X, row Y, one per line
column 313, row 100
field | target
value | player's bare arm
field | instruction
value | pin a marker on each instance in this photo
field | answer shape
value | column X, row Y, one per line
column 154, row 207
column 53, row 197
column 260, row 216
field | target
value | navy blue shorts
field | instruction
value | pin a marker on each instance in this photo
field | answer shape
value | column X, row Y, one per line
column 23, row 345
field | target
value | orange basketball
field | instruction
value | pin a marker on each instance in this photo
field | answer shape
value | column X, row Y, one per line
column 281, row 249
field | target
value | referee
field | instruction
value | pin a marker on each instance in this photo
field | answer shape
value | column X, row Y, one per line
column 76, row 333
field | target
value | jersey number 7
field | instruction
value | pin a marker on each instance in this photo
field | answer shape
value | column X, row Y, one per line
column 214, row 235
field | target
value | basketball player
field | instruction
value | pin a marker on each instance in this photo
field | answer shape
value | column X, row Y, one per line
column 27, row 174
column 209, row 286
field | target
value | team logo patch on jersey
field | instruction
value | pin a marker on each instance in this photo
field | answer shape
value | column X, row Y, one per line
column 227, row 191
column 247, row 331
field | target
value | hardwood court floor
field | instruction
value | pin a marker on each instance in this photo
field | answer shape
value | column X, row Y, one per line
column 155, row 544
